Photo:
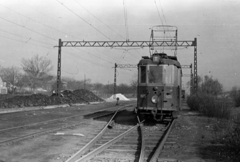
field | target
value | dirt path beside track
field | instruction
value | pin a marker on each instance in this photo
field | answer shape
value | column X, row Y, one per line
column 196, row 141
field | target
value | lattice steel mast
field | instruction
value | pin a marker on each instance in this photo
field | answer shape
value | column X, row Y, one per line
column 150, row 44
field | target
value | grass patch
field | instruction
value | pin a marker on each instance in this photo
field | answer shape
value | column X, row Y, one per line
column 235, row 95
column 232, row 137
column 226, row 129
column 209, row 105
column 227, row 132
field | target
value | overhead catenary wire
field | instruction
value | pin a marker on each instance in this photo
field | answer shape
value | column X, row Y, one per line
column 162, row 12
column 96, row 63
column 37, row 21
column 100, row 20
column 71, row 73
column 160, row 15
column 83, row 19
column 24, row 37
column 93, row 55
column 34, row 31
column 91, row 61
column 166, row 33
column 158, row 12
column 25, row 42
column 103, row 23
column 126, row 21
column 159, row 18
column 49, row 17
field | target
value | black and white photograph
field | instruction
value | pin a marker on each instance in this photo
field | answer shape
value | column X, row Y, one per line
column 119, row 81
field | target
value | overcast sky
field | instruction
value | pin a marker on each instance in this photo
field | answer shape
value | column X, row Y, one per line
column 30, row 27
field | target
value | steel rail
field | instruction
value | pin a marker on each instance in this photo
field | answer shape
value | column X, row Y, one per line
column 142, row 153
column 43, row 122
column 105, row 146
column 35, row 134
column 58, row 119
column 47, row 131
column 161, row 144
column 79, row 153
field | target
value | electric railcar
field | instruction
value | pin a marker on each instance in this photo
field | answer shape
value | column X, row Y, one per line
column 159, row 86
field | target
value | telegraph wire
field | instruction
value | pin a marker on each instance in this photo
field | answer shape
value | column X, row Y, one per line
column 25, row 42
column 100, row 20
column 24, row 37
column 115, row 60
column 87, row 11
column 93, row 55
column 126, row 21
column 71, row 73
column 94, row 63
column 104, row 23
column 50, row 18
column 28, row 29
column 126, row 50
column 83, row 19
column 35, row 21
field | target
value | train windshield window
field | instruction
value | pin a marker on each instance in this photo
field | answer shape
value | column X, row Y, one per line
column 155, row 74
column 143, row 70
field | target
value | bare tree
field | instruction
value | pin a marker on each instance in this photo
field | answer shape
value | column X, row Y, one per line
column 37, row 70
column 12, row 76
column 211, row 86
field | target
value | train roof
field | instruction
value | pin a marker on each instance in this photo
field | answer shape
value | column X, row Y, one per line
column 164, row 60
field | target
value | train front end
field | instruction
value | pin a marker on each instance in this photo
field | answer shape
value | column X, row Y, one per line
column 159, row 86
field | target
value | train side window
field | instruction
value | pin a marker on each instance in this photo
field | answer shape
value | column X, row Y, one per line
column 179, row 76
column 143, row 76
column 176, row 76
column 169, row 74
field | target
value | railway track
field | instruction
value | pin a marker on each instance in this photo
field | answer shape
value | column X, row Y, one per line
column 23, row 132
column 136, row 142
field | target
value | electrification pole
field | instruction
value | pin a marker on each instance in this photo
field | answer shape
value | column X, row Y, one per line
column 59, row 67
column 115, row 80
column 142, row 44
column 115, row 73
column 195, row 77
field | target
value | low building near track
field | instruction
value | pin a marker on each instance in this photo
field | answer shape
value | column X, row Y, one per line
column 3, row 88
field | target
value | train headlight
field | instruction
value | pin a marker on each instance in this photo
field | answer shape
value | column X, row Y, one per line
column 154, row 99
column 155, row 88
